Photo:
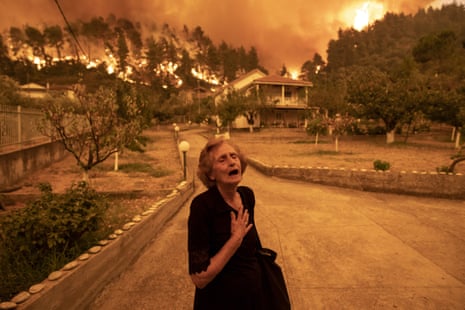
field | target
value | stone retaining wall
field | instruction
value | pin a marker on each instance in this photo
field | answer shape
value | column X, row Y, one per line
column 432, row 184
column 14, row 166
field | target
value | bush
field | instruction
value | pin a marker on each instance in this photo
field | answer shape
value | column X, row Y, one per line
column 381, row 165
column 377, row 130
column 46, row 234
column 442, row 169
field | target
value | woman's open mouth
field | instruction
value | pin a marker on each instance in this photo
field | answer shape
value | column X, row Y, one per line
column 233, row 172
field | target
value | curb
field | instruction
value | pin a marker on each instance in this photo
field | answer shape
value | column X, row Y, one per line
column 428, row 184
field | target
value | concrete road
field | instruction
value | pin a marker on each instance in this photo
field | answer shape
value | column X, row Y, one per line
column 339, row 249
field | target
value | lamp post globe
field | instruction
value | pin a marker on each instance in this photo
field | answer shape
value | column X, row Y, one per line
column 184, row 147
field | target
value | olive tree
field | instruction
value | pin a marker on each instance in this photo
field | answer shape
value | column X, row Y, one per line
column 229, row 107
column 378, row 94
column 94, row 126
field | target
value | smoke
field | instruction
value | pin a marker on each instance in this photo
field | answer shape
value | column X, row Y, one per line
column 284, row 32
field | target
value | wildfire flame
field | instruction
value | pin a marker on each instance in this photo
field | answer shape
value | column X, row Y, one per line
column 362, row 17
column 294, row 74
column 365, row 14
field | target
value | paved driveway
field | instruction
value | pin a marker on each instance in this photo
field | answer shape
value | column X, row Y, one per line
column 340, row 249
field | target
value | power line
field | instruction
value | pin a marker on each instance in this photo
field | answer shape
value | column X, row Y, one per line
column 70, row 29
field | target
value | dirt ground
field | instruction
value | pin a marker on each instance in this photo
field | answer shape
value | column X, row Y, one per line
column 293, row 147
column 138, row 188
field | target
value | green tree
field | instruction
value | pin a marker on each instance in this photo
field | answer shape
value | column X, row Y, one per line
column 254, row 102
column 97, row 30
column 54, row 38
column 329, row 91
column 6, row 65
column 311, row 68
column 284, row 71
column 17, row 39
column 435, row 47
column 252, row 61
column 229, row 61
column 9, row 91
column 377, row 95
column 230, row 107
column 133, row 34
column 184, row 70
column 123, row 50
column 316, row 126
column 36, row 40
column 338, row 125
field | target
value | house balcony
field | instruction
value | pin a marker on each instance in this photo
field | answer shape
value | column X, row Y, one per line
column 288, row 103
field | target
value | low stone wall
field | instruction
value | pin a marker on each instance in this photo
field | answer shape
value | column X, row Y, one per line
column 78, row 283
column 16, row 165
column 432, row 184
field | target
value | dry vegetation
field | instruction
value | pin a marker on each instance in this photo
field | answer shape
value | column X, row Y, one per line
column 293, row 147
column 142, row 178
column 145, row 177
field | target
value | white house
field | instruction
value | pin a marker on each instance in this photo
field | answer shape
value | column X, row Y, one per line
column 287, row 99
column 33, row 90
column 36, row 91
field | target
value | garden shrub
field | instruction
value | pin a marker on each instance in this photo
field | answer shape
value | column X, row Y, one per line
column 442, row 169
column 377, row 130
column 381, row 165
column 46, row 234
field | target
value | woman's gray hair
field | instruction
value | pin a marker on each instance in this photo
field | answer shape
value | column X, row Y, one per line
column 205, row 167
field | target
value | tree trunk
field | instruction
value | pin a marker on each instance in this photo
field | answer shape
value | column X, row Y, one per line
column 316, row 138
column 116, row 161
column 390, row 136
column 457, row 139
column 85, row 176
column 250, row 128
column 407, row 134
column 454, row 163
column 336, row 143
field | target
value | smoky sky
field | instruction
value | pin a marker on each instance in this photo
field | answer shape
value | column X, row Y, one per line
column 283, row 32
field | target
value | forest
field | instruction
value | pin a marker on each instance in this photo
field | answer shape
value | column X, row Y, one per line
column 402, row 69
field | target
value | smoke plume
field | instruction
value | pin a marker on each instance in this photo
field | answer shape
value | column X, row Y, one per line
column 284, row 32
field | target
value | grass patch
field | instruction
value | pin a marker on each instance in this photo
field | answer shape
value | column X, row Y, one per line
column 309, row 142
column 332, row 153
column 327, row 153
column 301, row 142
column 145, row 168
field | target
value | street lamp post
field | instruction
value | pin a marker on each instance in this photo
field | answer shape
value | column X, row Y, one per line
column 184, row 147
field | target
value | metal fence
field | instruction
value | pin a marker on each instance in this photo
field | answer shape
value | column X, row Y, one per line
column 19, row 127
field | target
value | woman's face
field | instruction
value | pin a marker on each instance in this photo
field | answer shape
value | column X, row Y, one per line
column 226, row 168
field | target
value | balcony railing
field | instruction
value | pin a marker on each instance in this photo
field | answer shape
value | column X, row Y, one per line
column 289, row 102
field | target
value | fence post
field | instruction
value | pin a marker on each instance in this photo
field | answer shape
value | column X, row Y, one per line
column 18, row 110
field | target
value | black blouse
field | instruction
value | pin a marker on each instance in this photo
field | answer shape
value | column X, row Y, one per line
column 237, row 286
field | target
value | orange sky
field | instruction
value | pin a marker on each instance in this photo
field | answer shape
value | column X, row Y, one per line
column 284, row 32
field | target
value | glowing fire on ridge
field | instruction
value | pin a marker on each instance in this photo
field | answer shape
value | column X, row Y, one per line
column 294, row 74
column 362, row 17
column 365, row 14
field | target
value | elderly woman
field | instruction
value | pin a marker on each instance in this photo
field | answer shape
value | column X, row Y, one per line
column 222, row 240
